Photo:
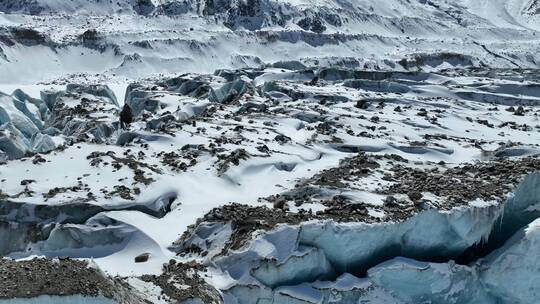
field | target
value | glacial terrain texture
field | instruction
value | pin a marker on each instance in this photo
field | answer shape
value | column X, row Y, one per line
column 269, row 151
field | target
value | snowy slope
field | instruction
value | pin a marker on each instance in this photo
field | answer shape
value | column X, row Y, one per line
column 514, row 13
column 101, row 7
column 180, row 35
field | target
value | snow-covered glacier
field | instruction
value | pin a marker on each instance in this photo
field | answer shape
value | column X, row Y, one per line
column 148, row 37
column 264, row 151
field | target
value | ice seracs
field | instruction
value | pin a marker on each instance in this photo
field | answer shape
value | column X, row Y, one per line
column 21, row 125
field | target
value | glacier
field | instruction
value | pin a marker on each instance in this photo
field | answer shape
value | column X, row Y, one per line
column 265, row 151
column 436, row 248
column 271, row 270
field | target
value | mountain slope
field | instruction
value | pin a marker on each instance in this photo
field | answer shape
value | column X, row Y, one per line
column 36, row 7
column 177, row 36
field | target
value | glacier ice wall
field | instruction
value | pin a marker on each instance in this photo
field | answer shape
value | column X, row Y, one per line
column 329, row 262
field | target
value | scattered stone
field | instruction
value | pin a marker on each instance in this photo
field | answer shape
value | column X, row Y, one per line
column 520, row 111
column 126, row 116
column 60, row 277
column 142, row 258
column 282, row 139
column 362, row 104
column 181, row 282
column 415, row 196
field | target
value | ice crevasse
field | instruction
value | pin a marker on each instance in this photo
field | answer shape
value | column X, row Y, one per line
column 406, row 262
